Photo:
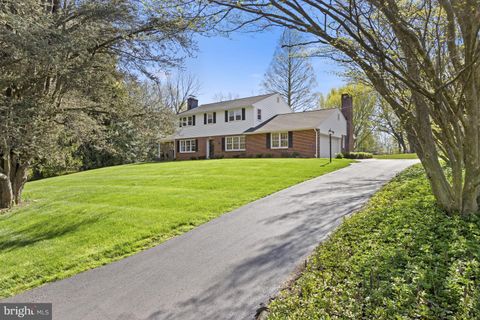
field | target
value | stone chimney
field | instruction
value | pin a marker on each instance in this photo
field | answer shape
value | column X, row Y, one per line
column 192, row 103
column 347, row 111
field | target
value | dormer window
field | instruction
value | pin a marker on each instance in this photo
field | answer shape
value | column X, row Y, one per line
column 259, row 114
column 234, row 115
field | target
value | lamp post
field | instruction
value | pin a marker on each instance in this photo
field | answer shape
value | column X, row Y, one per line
column 330, row 132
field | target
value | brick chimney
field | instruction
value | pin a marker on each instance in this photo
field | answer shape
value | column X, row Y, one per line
column 347, row 111
column 192, row 103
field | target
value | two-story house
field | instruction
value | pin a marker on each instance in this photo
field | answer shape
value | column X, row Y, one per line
column 256, row 126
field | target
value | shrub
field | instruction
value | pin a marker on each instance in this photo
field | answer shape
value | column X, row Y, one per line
column 285, row 155
column 295, row 154
column 339, row 156
column 259, row 155
column 193, row 158
column 268, row 155
column 358, row 155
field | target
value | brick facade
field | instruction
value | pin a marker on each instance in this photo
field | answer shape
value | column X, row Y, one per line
column 303, row 145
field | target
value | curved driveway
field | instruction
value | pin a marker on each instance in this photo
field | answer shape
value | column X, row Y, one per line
column 224, row 268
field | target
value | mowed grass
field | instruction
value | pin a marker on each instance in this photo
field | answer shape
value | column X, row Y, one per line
column 396, row 156
column 80, row 221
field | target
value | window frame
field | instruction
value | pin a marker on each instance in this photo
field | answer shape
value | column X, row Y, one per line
column 237, row 113
column 192, row 143
column 276, row 140
column 233, row 141
column 210, row 118
column 259, row 114
column 186, row 121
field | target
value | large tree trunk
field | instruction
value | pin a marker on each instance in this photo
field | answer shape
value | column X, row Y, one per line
column 18, row 181
column 6, row 192
column 13, row 177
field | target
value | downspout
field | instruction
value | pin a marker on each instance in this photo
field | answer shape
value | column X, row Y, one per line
column 316, row 143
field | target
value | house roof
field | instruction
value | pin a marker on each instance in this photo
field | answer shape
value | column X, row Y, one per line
column 293, row 121
column 227, row 105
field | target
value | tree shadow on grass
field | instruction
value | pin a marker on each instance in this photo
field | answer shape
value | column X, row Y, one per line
column 41, row 231
column 237, row 292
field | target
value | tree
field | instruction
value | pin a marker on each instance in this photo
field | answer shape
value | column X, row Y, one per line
column 131, row 132
column 386, row 121
column 176, row 90
column 364, row 101
column 290, row 73
column 220, row 96
column 55, row 53
column 424, row 60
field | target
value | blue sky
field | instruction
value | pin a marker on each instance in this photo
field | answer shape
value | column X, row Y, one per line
column 237, row 64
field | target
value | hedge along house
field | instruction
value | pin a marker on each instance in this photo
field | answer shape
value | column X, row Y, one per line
column 259, row 126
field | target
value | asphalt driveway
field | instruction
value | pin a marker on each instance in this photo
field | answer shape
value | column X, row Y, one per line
column 225, row 268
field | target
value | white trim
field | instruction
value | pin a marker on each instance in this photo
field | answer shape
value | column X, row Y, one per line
column 232, row 137
column 235, row 114
column 316, row 143
column 279, row 140
column 188, row 121
column 209, row 114
column 185, row 146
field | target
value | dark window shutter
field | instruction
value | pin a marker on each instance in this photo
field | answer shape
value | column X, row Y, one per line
column 268, row 140
column 204, row 118
column 193, row 119
column 196, row 144
column 243, row 113
column 180, row 123
column 223, row 144
column 226, row 116
column 178, row 145
column 290, row 139
column 214, row 117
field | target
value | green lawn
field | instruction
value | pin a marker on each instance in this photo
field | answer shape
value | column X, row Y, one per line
column 396, row 156
column 399, row 258
column 80, row 221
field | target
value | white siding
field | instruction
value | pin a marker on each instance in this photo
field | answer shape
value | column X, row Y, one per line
column 325, row 147
column 217, row 129
column 270, row 107
column 335, row 122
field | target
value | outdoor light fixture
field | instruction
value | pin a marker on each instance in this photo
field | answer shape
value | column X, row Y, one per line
column 330, row 132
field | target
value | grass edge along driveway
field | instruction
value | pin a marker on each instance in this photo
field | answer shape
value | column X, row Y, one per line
column 84, row 220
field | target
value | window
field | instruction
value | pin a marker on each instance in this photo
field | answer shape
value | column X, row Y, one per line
column 188, row 146
column 236, row 143
column 210, row 118
column 234, row 115
column 279, row 140
column 187, row 121
column 259, row 114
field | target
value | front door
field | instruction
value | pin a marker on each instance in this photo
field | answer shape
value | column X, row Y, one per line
column 211, row 148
